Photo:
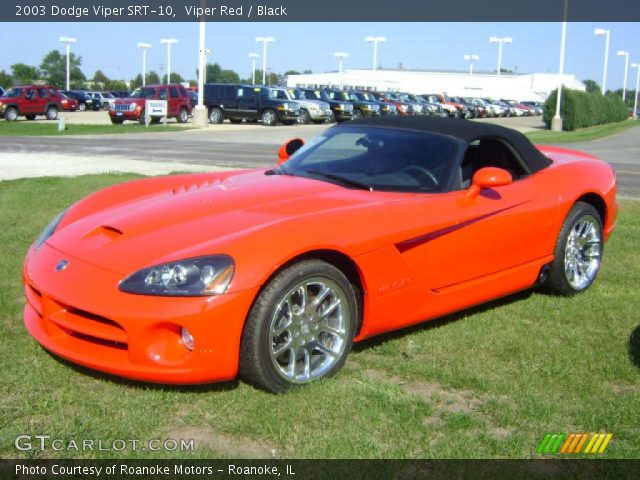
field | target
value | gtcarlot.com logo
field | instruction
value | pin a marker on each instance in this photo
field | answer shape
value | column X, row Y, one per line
column 573, row 443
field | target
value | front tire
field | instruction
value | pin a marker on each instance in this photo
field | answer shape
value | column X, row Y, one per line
column 11, row 115
column 300, row 328
column 82, row 107
column 117, row 121
column 304, row 118
column 51, row 113
column 269, row 118
column 356, row 115
column 578, row 251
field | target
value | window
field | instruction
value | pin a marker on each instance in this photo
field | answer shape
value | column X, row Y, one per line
column 42, row 92
column 173, row 91
column 162, row 94
column 489, row 152
column 380, row 158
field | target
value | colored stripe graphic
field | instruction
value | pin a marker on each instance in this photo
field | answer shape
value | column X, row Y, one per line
column 573, row 443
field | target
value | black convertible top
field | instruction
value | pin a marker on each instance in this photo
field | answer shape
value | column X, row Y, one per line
column 464, row 130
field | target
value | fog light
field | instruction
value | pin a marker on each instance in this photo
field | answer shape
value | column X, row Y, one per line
column 187, row 339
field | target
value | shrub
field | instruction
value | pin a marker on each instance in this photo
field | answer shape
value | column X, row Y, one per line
column 580, row 109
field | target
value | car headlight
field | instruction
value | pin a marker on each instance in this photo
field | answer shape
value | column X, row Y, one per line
column 185, row 278
column 49, row 229
column 132, row 106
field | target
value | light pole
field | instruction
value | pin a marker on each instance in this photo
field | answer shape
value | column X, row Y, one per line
column 264, row 41
column 253, row 57
column 622, row 53
column 471, row 58
column 556, row 121
column 375, row 41
column 168, row 42
column 500, row 41
column 144, row 47
column 68, row 41
column 607, row 34
column 340, row 56
column 635, row 102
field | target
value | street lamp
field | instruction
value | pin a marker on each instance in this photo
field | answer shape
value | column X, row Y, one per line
column 264, row 41
column 599, row 32
column 622, row 53
column 556, row 121
column 340, row 56
column 144, row 47
column 253, row 57
column 635, row 102
column 500, row 41
column 375, row 41
column 168, row 42
column 471, row 58
column 68, row 41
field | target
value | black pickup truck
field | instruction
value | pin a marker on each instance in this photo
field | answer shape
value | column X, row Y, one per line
column 248, row 102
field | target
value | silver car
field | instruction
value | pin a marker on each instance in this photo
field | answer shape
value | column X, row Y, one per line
column 315, row 111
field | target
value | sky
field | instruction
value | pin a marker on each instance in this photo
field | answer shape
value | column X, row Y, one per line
column 111, row 47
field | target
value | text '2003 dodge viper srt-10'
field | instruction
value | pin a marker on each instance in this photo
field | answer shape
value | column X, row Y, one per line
column 272, row 274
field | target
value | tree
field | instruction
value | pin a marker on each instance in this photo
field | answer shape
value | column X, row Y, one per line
column 100, row 78
column 229, row 76
column 6, row 80
column 307, row 72
column 54, row 68
column 175, row 78
column 118, row 85
column 592, row 86
column 292, row 72
column 136, row 82
column 23, row 73
column 152, row 78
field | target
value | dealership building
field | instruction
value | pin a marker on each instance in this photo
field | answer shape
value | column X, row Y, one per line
column 510, row 86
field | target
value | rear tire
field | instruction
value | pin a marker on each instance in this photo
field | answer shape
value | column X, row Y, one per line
column 183, row 115
column 578, row 251
column 216, row 116
column 300, row 328
column 82, row 107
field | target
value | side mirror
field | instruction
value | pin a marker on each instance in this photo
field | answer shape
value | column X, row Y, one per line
column 289, row 148
column 488, row 177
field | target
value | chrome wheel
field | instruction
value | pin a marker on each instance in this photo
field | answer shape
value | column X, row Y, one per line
column 269, row 118
column 309, row 330
column 11, row 115
column 582, row 253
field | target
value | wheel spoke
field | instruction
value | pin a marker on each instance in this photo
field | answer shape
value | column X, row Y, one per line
column 307, row 363
column 292, row 362
column 281, row 349
column 330, row 308
column 324, row 350
column 320, row 298
column 328, row 328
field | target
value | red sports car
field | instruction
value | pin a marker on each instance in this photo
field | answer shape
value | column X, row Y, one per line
column 271, row 274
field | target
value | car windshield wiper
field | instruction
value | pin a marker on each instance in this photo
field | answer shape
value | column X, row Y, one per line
column 340, row 178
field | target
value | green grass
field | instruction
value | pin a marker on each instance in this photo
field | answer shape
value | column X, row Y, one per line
column 16, row 129
column 489, row 382
column 581, row 135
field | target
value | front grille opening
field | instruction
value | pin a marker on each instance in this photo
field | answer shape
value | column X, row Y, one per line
column 97, row 341
column 93, row 316
column 36, row 292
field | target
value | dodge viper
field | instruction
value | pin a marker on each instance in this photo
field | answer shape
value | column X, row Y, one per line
column 272, row 274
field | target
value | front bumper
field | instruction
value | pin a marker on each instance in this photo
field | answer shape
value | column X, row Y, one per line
column 126, row 115
column 287, row 115
column 320, row 114
column 80, row 314
column 342, row 115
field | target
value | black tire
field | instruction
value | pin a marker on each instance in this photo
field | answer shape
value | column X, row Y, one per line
column 141, row 120
column 11, row 114
column 117, row 121
column 304, row 118
column 51, row 113
column 356, row 115
column 30, row 117
column 216, row 115
column 558, row 281
column 183, row 115
column 269, row 117
column 257, row 366
column 82, row 107
column 235, row 121
column 332, row 118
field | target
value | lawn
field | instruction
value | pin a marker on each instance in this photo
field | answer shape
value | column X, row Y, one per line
column 16, row 129
column 582, row 134
column 487, row 383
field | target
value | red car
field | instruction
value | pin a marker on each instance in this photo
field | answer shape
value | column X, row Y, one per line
column 68, row 103
column 30, row 101
column 273, row 273
column 133, row 108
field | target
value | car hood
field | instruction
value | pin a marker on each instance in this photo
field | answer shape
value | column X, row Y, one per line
column 199, row 219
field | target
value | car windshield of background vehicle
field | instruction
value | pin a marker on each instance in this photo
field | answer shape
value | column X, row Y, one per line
column 144, row 93
column 383, row 159
column 13, row 92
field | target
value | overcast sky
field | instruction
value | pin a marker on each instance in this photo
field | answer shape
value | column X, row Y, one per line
column 111, row 47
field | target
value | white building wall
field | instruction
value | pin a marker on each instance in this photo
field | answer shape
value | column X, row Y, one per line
column 533, row 86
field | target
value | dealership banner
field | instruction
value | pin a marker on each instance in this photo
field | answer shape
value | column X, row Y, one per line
column 314, row 11
column 317, row 469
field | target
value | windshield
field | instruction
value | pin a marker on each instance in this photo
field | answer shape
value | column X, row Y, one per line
column 145, row 92
column 108, row 95
column 297, row 94
column 13, row 92
column 378, row 158
column 339, row 96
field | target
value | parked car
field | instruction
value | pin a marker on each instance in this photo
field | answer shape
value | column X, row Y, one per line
column 193, row 98
column 30, row 101
column 315, row 111
column 340, row 110
column 85, row 101
column 538, row 108
column 386, row 108
column 1, row 91
column 272, row 274
column 237, row 102
column 403, row 107
column 68, row 104
column 428, row 108
column 104, row 99
column 133, row 108
column 120, row 93
column 449, row 108
column 361, row 108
